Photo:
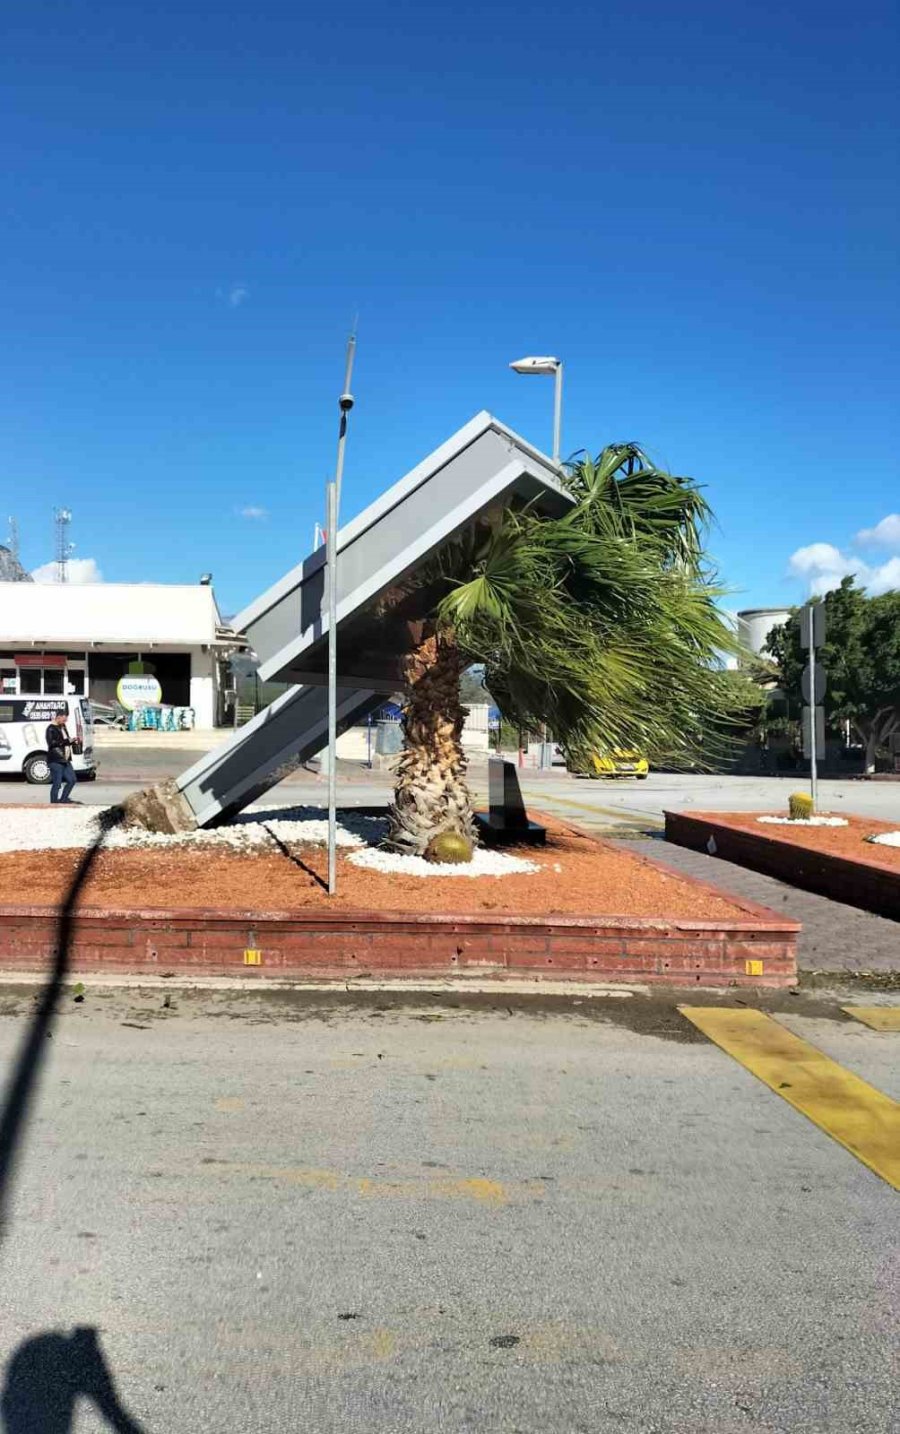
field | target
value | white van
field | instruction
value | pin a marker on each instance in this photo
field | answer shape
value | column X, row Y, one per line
column 23, row 742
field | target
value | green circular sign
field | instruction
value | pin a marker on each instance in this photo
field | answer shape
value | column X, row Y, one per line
column 143, row 691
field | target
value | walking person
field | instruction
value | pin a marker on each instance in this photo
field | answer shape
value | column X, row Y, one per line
column 59, row 755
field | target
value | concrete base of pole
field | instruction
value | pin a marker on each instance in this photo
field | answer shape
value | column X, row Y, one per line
column 159, row 809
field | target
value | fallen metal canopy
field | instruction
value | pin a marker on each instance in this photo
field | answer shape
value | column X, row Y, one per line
column 482, row 466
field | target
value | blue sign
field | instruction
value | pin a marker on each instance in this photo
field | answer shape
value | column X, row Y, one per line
column 494, row 719
column 390, row 712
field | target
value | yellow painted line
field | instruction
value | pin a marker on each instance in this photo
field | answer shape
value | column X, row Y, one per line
column 880, row 1018
column 862, row 1119
column 440, row 1187
column 627, row 815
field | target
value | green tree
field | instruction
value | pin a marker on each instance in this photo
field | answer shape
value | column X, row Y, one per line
column 602, row 623
column 861, row 658
column 472, row 689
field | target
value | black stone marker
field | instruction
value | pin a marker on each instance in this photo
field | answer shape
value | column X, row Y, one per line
column 507, row 823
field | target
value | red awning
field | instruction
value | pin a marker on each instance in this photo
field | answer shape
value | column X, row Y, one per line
column 39, row 659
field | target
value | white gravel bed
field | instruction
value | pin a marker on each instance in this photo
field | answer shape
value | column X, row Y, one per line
column 484, row 863
column 47, row 829
column 75, row 828
column 885, row 839
column 805, row 821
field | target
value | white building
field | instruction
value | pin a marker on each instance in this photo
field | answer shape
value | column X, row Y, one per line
column 755, row 624
column 82, row 638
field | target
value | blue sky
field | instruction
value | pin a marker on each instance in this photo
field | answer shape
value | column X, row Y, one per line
column 696, row 206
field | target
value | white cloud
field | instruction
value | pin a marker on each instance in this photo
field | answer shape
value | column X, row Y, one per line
column 823, row 566
column 234, row 295
column 885, row 534
column 819, row 557
column 81, row 570
column 885, row 578
column 254, row 513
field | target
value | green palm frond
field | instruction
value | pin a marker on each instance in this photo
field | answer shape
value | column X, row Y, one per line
column 603, row 623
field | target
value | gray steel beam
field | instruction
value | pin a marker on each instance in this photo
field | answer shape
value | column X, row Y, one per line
column 290, row 731
column 484, row 465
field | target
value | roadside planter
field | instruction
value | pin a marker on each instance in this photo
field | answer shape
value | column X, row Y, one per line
column 850, row 859
column 249, row 898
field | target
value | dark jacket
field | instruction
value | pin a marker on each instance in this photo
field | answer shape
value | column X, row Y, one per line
column 59, row 744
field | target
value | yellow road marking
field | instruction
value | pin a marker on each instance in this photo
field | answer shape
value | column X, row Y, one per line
column 631, row 816
column 862, row 1119
column 880, row 1018
column 438, row 1187
column 627, row 815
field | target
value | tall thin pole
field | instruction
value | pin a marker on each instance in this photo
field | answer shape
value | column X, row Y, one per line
column 333, row 500
column 546, row 758
column 346, row 403
column 813, row 754
column 331, row 547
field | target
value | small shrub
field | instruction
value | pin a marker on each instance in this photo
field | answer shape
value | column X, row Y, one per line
column 800, row 806
column 449, row 848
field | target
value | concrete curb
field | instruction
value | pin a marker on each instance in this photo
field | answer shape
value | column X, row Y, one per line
column 866, row 883
column 760, row 950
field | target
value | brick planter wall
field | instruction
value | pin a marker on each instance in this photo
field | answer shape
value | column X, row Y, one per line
column 858, row 883
column 757, row 949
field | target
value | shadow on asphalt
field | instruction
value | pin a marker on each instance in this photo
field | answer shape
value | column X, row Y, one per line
column 49, row 1372
column 47, row 1376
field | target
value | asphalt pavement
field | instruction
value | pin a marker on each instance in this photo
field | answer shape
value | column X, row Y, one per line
column 599, row 804
column 279, row 1212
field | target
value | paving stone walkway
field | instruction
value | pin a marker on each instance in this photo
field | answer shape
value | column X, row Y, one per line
column 835, row 937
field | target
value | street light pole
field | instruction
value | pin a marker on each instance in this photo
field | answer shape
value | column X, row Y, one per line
column 546, row 364
column 813, row 699
column 333, row 500
column 557, row 413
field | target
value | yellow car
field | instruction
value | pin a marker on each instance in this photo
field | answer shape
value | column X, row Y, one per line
column 620, row 764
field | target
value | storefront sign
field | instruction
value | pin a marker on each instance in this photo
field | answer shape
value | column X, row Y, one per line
column 39, row 659
column 135, row 692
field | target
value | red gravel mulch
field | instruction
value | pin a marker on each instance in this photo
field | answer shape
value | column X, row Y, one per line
column 849, row 841
column 593, row 878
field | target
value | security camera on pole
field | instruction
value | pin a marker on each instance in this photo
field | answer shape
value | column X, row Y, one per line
column 333, row 501
column 812, row 684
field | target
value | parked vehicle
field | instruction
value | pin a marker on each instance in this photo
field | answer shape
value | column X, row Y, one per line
column 617, row 763
column 23, row 744
column 620, row 764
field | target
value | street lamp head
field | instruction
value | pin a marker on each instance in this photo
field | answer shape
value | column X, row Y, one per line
column 540, row 364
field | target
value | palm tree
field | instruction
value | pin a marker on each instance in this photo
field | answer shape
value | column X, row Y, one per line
column 602, row 623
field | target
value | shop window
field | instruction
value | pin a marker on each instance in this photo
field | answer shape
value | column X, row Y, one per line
column 54, row 681
column 75, row 677
column 8, row 680
column 30, row 681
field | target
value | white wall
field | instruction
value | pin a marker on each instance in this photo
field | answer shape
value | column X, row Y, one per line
column 475, row 731
column 203, row 693
column 755, row 624
column 132, row 614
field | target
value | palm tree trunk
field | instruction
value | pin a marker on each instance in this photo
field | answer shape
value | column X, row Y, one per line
column 430, row 793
